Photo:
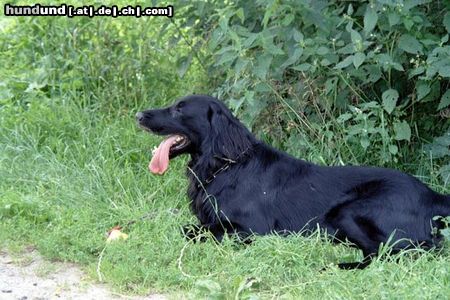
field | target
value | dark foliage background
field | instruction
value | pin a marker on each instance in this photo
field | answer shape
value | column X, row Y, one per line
column 362, row 81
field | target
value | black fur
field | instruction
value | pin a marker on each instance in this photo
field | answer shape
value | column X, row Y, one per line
column 264, row 190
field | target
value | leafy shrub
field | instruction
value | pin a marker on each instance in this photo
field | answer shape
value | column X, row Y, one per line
column 128, row 61
column 440, row 148
column 382, row 68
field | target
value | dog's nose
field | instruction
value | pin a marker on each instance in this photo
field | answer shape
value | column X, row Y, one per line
column 139, row 116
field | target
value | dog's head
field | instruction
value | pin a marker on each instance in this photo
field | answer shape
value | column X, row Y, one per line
column 197, row 124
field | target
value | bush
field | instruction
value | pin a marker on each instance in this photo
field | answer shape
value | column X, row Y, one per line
column 380, row 68
column 128, row 61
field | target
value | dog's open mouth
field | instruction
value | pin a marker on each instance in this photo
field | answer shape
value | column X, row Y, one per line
column 161, row 155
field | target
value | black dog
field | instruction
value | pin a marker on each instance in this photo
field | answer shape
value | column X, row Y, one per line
column 238, row 184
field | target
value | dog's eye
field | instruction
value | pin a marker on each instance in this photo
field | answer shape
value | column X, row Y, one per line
column 176, row 110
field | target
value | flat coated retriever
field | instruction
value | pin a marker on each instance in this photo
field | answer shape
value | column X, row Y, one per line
column 239, row 185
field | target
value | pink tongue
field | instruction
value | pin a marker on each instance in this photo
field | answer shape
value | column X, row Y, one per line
column 160, row 160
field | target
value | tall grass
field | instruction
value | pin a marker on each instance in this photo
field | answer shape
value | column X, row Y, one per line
column 73, row 165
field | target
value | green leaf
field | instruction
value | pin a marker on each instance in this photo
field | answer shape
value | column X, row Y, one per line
column 226, row 57
column 444, row 71
column 344, row 117
column 270, row 47
column 445, row 100
column 349, row 26
column 270, row 11
column 350, row 10
column 408, row 4
column 224, row 49
column 302, row 67
column 347, row 49
column 312, row 15
column 322, row 50
column 358, row 59
column 417, row 71
column 262, row 87
column 444, row 140
column 446, row 231
column 325, row 62
column 410, row 44
column 250, row 41
column 446, row 21
column 240, row 14
column 240, row 64
column 393, row 18
column 365, row 143
column 209, row 286
column 288, row 19
column 262, row 65
column 434, row 94
column 422, row 89
column 393, row 149
column 235, row 104
column 402, row 131
column 223, row 23
column 216, row 38
column 297, row 35
column 373, row 72
column 386, row 62
column 398, row 67
column 432, row 69
column 330, row 85
column 440, row 147
column 183, row 64
column 345, row 63
column 370, row 19
column 235, row 38
column 444, row 171
column 408, row 24
column 292, row 58
column 356, row 37
column 384, row 59
column 390, row 98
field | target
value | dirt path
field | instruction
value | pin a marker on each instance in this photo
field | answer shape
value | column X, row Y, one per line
column 30, row 277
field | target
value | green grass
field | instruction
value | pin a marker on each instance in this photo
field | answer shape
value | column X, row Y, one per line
column 62, row 193
column 73, row 164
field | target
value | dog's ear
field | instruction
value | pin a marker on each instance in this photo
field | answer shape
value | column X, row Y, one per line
column 228, row 137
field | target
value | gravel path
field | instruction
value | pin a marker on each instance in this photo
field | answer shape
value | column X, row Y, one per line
column 29, row 277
